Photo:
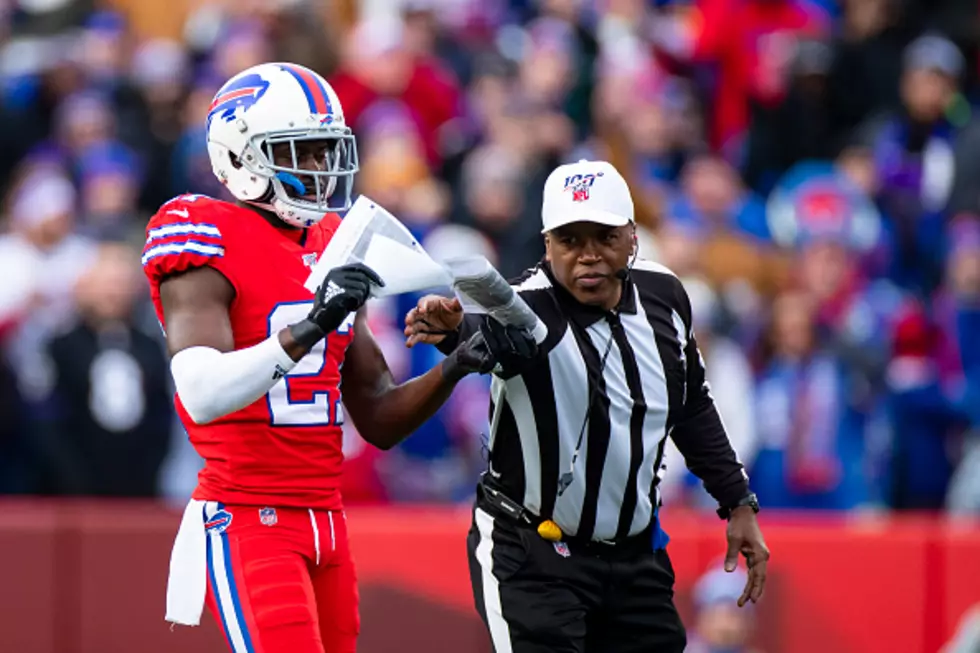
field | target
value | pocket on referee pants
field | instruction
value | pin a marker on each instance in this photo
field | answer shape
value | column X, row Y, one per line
column 500, row 544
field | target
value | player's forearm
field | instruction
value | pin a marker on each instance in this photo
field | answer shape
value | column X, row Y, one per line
column 298, row 339
column 397, row 412
column 212, row 384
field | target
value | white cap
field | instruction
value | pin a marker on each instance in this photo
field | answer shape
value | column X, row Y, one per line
column 586, row 191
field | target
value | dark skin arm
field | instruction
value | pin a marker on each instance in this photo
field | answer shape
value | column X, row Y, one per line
column 195, row 309
column 384, row 412
column 195, row 306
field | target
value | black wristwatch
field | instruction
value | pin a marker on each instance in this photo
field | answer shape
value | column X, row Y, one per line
column 725, row 512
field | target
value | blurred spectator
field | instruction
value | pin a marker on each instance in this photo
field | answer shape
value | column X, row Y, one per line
column 914, row 156
column 964, row 487
column 40, row 260
column 495, row 189
column 867, row 58
column 726, row 223
column 14, row 462
column 393, row 162
column 426, row 37
column 713, row 199
column 958, row 311
column 242, row 44
column 925, row 419
column 833, row 228
column 377, row 64
column 298, row 34
column 160, row 70
column 110, row 188
column 190, row 167
column 805, row 125
column 811, row 450
column 108, row 417
column 720, row 626
column 752, row 43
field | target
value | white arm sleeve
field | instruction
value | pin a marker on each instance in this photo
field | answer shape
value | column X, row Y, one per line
column 212, row 384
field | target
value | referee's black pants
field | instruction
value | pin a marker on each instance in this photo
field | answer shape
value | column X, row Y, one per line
column 598, row 599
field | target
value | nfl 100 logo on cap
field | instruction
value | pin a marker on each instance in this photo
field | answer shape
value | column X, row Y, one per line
column 585, row 191
column 268, row 516
column 579, row 185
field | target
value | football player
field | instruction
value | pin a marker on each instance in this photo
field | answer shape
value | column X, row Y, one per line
column 265, row 370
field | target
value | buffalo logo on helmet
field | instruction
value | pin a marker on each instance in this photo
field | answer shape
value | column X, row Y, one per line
column 241, row 93
column 580, row 185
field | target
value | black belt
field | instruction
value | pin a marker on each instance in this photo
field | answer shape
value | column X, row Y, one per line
column 500, row 505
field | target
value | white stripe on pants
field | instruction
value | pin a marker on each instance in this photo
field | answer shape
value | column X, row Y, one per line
column 222, row 588
column 499, row 631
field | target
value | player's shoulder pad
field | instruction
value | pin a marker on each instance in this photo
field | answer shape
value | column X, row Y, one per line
column 326, row 227
column 330, row 222
column 186, row 232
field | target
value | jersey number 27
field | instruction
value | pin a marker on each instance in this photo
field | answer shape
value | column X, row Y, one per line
column 324, row 408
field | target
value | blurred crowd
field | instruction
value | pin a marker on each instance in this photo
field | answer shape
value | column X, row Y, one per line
column 809, row 168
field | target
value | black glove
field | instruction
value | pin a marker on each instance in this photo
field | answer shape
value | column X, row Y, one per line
column 343, row 291
column 494, row 344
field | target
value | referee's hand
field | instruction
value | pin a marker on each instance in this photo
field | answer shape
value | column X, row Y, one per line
column 431, row 318
column 745, row 537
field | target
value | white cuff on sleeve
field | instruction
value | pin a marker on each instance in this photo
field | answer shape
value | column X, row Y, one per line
column 212, row 384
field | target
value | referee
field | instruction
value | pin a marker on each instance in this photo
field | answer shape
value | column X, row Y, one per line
column 566, row 551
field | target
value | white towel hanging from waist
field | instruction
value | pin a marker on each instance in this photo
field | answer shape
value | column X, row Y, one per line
column 187, row 584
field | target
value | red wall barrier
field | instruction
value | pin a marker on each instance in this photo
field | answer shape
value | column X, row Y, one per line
column 87, row 577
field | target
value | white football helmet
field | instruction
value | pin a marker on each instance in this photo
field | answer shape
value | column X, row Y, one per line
column 271, row 104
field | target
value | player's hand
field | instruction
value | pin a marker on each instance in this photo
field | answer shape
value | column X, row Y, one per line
column 745, row 537
column 343, row 291
column 494, row 344
column 429, row 322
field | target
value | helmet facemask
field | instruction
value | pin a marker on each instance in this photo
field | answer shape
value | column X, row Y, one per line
column 302, row 195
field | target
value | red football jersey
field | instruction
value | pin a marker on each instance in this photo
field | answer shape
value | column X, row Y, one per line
column 286, row 448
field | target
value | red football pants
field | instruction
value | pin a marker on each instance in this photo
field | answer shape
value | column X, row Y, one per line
column 281, row 580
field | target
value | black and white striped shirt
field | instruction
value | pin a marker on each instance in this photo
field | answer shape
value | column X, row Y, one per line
column 651, row 386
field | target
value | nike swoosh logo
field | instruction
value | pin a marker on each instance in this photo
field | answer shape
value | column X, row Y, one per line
column 181, row 212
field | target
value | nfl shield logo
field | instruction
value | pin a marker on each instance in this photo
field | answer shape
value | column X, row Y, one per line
column 309, row 260
column 580, row 194
column 562, row 549
column 268, row 516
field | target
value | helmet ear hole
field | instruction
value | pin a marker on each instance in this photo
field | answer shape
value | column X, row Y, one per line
column 235, row 161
